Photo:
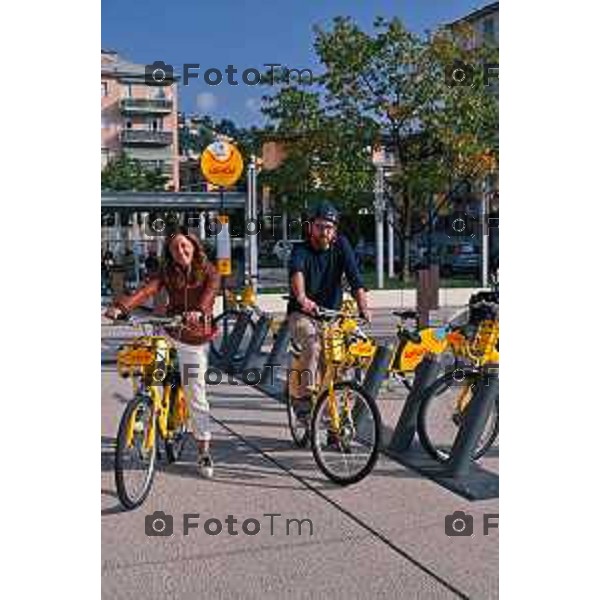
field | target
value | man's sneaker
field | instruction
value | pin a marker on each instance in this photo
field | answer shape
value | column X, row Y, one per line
column 206, row 466
column 302, row 408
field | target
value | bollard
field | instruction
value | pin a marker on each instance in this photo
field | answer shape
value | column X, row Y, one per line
column 277, row 353
column 426, row 373
column 235, row 339
column 478, row 412
column 260, row 333
column 378, row 369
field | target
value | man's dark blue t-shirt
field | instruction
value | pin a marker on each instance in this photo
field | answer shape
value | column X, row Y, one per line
column 323, row 271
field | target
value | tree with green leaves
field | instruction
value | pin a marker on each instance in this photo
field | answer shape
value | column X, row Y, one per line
column 439, row 133
column 326, row 157
column 127, row 174
column 388, row 88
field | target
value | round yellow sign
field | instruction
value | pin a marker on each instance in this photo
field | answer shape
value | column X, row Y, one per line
column 221, row 163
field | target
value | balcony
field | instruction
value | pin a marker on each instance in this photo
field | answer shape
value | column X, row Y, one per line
column 146, row 105
column 144, row 137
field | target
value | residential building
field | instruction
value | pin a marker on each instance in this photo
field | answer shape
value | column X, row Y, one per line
column 137, row 119
column 484, row 22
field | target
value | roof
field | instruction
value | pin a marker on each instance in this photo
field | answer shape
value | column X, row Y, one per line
column 114, row 65
column 171, row 200
column 489, row 9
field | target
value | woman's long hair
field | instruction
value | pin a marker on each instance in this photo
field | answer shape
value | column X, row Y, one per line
column 173, row 273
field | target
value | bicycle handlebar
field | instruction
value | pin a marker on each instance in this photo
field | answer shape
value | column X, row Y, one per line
column 165, row 321
column 329, row 314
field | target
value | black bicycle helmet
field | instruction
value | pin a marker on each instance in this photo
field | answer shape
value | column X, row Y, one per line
column 326, row 211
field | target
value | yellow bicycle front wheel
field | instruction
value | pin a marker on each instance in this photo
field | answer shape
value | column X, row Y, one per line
column 345, row 433
column 135, row 458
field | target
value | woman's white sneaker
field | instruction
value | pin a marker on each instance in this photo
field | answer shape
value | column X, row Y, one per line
column 206, row 466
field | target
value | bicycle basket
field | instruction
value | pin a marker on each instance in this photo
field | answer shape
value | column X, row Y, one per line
column 486, row 340
column 334, row 345
column 135, row 357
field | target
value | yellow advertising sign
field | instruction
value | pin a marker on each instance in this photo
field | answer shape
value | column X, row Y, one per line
column 224, row 266
column 221, row 163
column 224, row 247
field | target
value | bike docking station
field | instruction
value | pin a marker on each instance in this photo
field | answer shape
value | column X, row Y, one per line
column 247, row 364
column 268, row 371
column 459, row 474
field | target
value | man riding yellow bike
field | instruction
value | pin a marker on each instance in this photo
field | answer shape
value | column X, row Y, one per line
column 192, row 283
column 316, row 270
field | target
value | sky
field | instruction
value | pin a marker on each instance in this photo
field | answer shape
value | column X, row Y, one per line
column 246, row 35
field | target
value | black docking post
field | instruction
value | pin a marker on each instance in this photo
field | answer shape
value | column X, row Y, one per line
column 473, row 424
column 276, row 357
column 426, row 373
column 234, row 341
column 260, row 333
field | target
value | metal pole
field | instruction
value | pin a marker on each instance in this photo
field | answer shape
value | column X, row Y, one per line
column 118, row 234
column 222, row 212
column 379, row 206
column 247, row 216
column 485, row 238
column 284, row 236
column 284, row 225
column 253, row 216
column 390, row 236
column 202, row 231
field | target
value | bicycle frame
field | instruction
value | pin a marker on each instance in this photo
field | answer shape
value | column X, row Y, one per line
column 141, row 360
column 340, row 352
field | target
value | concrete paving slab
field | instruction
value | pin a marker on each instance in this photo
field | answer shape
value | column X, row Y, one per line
column 341, row 559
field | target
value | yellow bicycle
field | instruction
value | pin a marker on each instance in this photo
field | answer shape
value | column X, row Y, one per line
column 158, row 411
column 344, row 428
column 444, row 403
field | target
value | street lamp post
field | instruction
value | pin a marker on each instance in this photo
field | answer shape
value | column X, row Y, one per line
column 247, row 213
column 253, row 242
column 379, row 206
column 390, row 222
column 484, row 234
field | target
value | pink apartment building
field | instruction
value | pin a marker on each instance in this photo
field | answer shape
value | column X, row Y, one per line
column 138, row 119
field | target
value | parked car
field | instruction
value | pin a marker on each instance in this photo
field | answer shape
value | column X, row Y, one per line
column 463, row 259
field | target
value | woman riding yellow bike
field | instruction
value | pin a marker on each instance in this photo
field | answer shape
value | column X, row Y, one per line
column 191, row 283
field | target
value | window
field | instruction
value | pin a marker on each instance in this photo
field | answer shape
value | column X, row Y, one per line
column 489, row 30
column 155, row 124
column 127, row 90
column 104, row 88
column 128, row 124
